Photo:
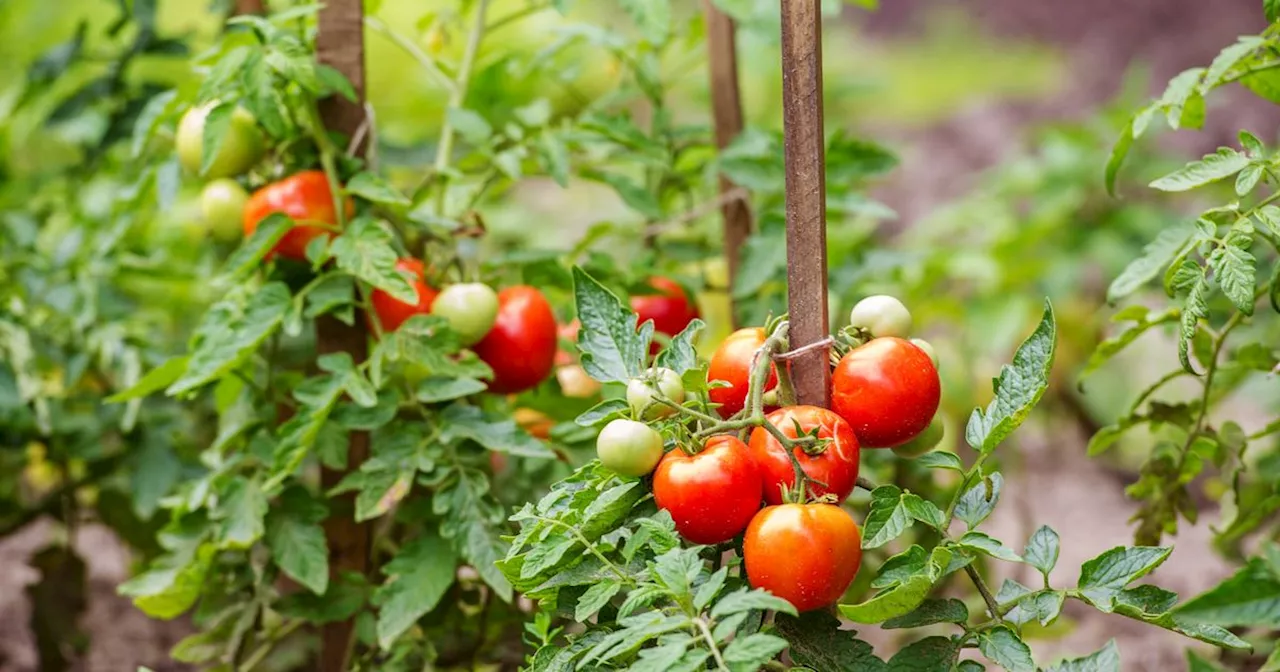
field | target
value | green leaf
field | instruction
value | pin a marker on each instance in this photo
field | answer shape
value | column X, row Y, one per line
column 231, row 330
column 602, row 412
column 471, row 524
column 1178, row 99
column 594, row 599
column 367, row 250
column 255, row 248
column 1042, row 550
column 373, row 188
column 497, row 433
column 940, row 459
column 1251, row 597
column 708, row 590
column 469, row 124
column 902, row 598
column 818, row 642
column 923, row 510
column 980, row 500
column 1249, row 178
column 1003, row 647
column 680, row 355
column 1224, row 163
column 334, row 81
column 652, row 17
column 987, row 545
column 298, row 545
column 1103, row 577
column 1105, row 659
column 1018, row 388
column 632, row 194
column 1235, row 269
column 1155, row 256
column 1273, row 660
column 1271, row 10
column 1194, row 308
column 749, row 600
column 750, row 653
column 612, row 350
column 929, row 612
column 931, row 654
column 241, row 509
column 887, row 519
column 172, row 585
column 554, row 157
column 1228, row 58
column 418, row 577
column 1114, row 345
column 1119, row 151
column 156, row 379
column 435, row 389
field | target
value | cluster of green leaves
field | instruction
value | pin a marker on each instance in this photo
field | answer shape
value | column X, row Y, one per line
column 1214, row 271
column 1213, row 268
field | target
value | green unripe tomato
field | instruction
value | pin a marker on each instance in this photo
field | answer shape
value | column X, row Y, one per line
column 928, row 349
column 641, row 392
column 924, row 442
column 882, row 316
column 241, row 147
column 222, row 204
column 471, row 309
column 629, row 448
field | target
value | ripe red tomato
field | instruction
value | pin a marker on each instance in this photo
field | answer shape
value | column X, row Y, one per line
column 732, row 364
column 670, row 308
column 888, row 390
column 521, row 346
column 712, row 494
column 807, row 554
column 306, row 198
column 393, row 312
column 836, row 466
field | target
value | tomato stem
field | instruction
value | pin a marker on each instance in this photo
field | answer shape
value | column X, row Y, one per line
column 444, row 150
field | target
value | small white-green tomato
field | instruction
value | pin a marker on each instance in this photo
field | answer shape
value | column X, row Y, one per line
column 641, row 393
column 881, row 316
column 471, row 309
column 629, row 448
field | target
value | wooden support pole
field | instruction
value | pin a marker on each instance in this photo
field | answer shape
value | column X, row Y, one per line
column 726, row 106
column 340, row 44
column 250, row 7
column 806, row 196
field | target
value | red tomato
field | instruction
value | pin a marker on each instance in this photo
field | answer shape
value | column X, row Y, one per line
column 393, row 312
column 807, row 554
column 306, row 198
column 836, row 465
column 888, row 390
column 536, row 423
column 521, row 346
column 712, row 494
column 732, row 364
column 670, row 308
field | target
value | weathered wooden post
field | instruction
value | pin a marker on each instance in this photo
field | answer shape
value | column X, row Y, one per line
column 340, row 44
column 806, row 197
column 726, row 106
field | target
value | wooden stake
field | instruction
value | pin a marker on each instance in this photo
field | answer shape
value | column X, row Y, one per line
column 806, row 196
column 726, row 105
column 250, row 7
column 340, row 44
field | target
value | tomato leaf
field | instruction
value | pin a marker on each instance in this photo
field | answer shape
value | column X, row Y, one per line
column 1018, row 388
column 216, row 124
column 1251, row 597
column 297, row 541
column 418, row 577
column 1003, row 646
column 371, row 187
column 902, row 598
column 1103, row 577
column 750, row 653
column 930, row 612
column 367, row 250
column 612, row 350
column 941, row 459
column 254, row 248
column 1211, row 168
column 497, row 433
column 1155, row 255
column 156, row 379
column 1234, row 267
column 594, row 599
column 931, row 654
column 980, row 500
column 987, row 545
column 602, row 412
column 435, row 389
column 680, row 355
column 1042, row 550
column 818, row 642
column 230, row 331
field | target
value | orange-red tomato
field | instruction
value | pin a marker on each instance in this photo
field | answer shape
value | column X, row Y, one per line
column 712, row 494
column 887, row 389
column 307, row 199
column 732, row 364
column 836, row 465
column 521, row 346
column 537, row 423
column 393, row 312
column 669, row 308
column 807, row 554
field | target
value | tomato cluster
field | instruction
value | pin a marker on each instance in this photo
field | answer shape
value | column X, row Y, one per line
column 513, row 331
column 781, row 490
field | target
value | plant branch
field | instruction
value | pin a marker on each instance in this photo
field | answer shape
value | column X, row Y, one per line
column 425, row 60
column 711, row 643
column 590, row 547
column 992, row 605
column 259, row 654
column 444, row 151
